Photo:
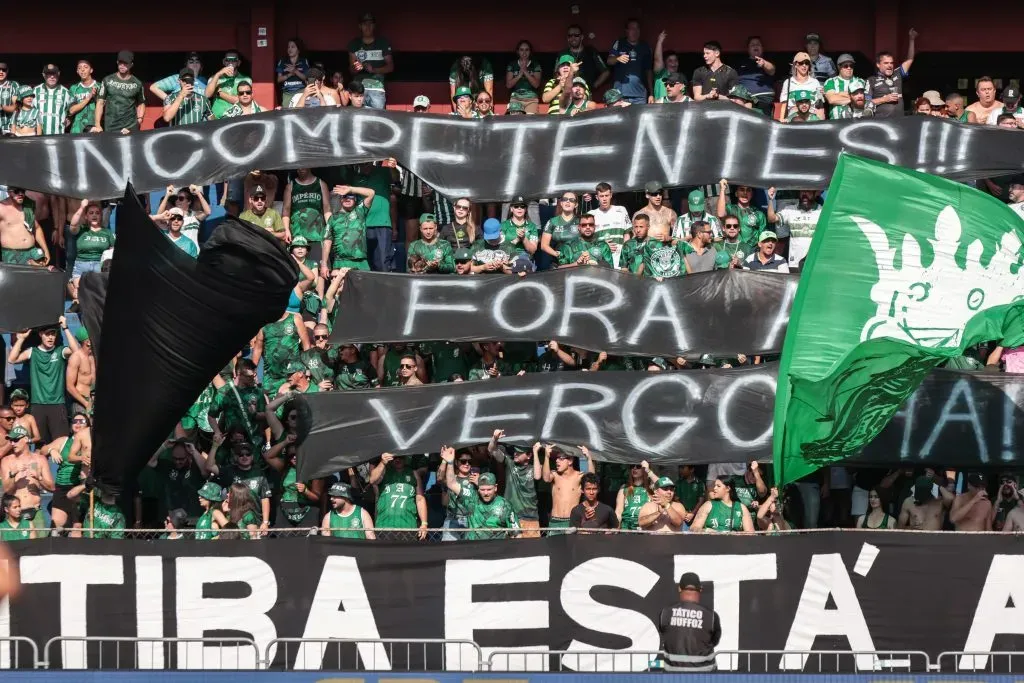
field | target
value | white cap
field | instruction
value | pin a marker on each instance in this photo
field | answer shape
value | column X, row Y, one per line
column 421, row 101
column 176, row 212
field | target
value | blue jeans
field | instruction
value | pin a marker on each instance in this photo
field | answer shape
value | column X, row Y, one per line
column 452, row 523
column 382, row 253
column 375, row 99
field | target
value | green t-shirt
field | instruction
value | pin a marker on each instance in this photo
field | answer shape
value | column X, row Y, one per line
column 225, row 403
column 46, row 375
column 509, row 235
column 197, row 416
column 497, row 514
column 320, row 364
column 8, row 95
column 92, row 243
column 752, row 221
column 725, row 251
column 460, row 504
column 358, row 375
column 228, row 85
column 373, row 54
column 253, row 479
column 447, row 358
column 562, row 231
column 725, row 518
column 439, row 251
column 204, row 527
column 270, row 220
column 307, row 211
column 634, row 498
column 600, row 252
column 15, row 532
column 689, row 492
column 396, row 505
column 281, row 344
column 347, row 232
column 520, row 486
column 378, row 180
column 120, row 97
column 108, row 520
column 632, row 254
column 664, row 259
column 486, row 73
column 68, row 473
column 522, row 88
column 85, row 119
column 348, row 526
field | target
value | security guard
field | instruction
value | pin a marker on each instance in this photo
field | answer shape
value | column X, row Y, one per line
column 689, row 630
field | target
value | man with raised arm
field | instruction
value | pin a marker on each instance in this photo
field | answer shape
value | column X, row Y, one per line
column 400, row 500
column 565, row 483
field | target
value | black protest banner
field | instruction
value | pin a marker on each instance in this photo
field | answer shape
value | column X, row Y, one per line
column 170, row 323
column 863, row 592
column 499, row 158
column 724, row 312
column 30, row 296
column 956, row 419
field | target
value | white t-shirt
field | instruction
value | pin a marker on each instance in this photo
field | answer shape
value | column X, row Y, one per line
column 811, row 84
column 1018, row 114
column 611, row 224
column 798, row 225
column 328, row 100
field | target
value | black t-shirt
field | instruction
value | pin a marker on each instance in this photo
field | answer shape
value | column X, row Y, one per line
column 723, row 78
column 456, row 235
column 604, row 518
column 879, row 85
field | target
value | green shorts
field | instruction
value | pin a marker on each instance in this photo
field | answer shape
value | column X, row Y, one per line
column 21, row 257
column 557, row 523
column 346, row 263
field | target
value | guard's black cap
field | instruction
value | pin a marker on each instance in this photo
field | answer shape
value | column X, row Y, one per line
column 689, row 581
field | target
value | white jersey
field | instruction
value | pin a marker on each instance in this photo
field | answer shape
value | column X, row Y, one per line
column 798, row 225
column 611, row 226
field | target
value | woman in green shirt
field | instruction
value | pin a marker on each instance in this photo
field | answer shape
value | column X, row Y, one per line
column 563, row 227
column 91, row 240
column 468, row 73
column 300, row 501
column 523, row 78
column 723, row 512
column 242, row 511
column 13, row 527
column 632, row 497
column 211, row 495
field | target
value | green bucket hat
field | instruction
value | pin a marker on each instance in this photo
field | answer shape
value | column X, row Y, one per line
column 82, row 334
column 25, row 92
column 340, row 489
column 462, row 91
column 612, row 96
column 299, row 241
column 565, row 59
column 211, row 492
column 741, row 93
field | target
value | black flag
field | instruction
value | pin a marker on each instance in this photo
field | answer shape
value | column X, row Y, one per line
column 170, row 323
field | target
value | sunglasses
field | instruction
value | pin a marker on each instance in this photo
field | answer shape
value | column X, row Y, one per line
column 465, row 461
column 636, row 467
column 463, row 207
column 406, row 366
column 245, row 92
column 569, row 200
column 248, row 375
column 517, row 206
column 259, row 199
column 318, row 337
column 804, row 62
column 244, row 454
column 732, row 225
column 588, row 225
column 483, row 101
column 6, row 417
column 74, row 422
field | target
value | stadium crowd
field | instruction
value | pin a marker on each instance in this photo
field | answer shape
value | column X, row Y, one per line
column 229, row 468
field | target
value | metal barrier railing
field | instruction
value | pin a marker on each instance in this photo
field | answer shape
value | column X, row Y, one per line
column 373, row 654
column 13, row 655
column 823, row 661
column 976, row 662
column 132, row 653
column 616, row 661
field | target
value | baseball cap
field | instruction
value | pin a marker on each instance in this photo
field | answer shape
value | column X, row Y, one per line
column 340, row 489
column 1011, row 95
column 653, row 187
column 192, row 57
column 565, row 59
column 211, row 492
column 812, row 37
column 231, row 56
column 462, row 255
column 923, row 490
column 294, row 366
column 976, row 479
column 935, row 99
column 612, row 96
column 523, row 264
column 767, row 235
column 857, row 85
column 579, row 80
column 846, row 58
column 176, row 212
column 51, row 69
column 803, row 96
column 487, row 479
column 690, row 580
column 462, row 91
column 421, row 101
column 17, row 433
column 427, row 218
column 186, row 75
column 366, row 16
column 672, row 79
column 518, row 201
column 801, row 56
column 126, row 56
column 695, row 200
column 25, row 92
column 258, row 191
column 664, row 483
column 298, row 241
column 492, row 229
column 82, row 334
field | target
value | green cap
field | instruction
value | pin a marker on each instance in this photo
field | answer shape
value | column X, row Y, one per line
column 740, row 92
column 612, row 96
column 857, row 85
column 299, row 241
column 664, row 483
column 696, row 200
column 515, row 106
column 462, row 255
column 19, row 394
column 767, row 235
column 17, row 432
column 487, row 479
column 211, row 492
column 81, row 334
column 25, row 91
column 294, row 366
column 565, row 59
column 462, row 91
column 427, row 218
column 803, row 96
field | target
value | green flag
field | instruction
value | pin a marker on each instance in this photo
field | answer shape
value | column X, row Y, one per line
column 905, row 271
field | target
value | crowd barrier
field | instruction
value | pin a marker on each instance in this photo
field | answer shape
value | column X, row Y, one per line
column 304, row 654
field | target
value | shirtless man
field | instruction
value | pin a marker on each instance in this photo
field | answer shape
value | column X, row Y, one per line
column 565, row 483
column 661, row 216
column 661, row 514
column 923, row 511
column 1008, row 511
column 21, row 237
column 26, row 475
column 987, row 101
column 972, row 510
column 81, row 374
column 22, row 418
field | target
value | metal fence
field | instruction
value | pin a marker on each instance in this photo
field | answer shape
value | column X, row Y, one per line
column 822, row 661
column 615, row 661
column 981, row 662
column 380, row 654
column 97, row 652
